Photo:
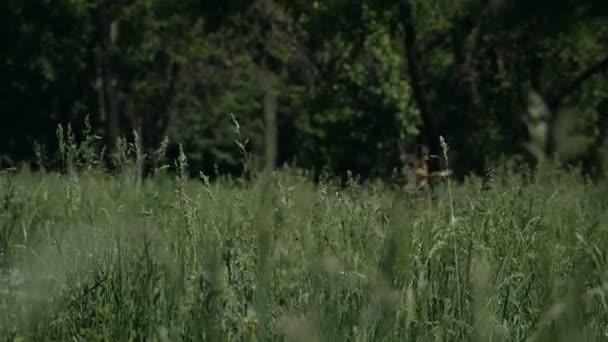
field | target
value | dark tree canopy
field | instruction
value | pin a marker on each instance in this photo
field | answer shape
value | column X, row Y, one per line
column 335, row 85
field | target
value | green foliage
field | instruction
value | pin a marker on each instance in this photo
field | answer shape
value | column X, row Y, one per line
column 364, row 101
column 339, row 70
column 572, row 136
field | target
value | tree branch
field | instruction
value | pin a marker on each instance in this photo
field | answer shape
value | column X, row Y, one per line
column 556, row 100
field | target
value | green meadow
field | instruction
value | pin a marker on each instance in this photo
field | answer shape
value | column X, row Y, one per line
column 90, row 255
column 348, row 171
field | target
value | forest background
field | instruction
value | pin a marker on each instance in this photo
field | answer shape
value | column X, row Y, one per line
column 322, row 85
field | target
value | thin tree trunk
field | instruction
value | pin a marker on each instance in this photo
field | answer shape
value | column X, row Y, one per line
column 112, row 84
column 429, row 136
column 270, row 122
column 106, row 78
column 107, row 112
column 100, row 89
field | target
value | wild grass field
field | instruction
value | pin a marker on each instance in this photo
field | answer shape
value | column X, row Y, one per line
column 92, row 256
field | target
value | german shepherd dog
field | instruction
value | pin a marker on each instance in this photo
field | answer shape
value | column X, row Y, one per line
column 416, row 167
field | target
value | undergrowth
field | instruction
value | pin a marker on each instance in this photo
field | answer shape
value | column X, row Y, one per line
column 89, row 255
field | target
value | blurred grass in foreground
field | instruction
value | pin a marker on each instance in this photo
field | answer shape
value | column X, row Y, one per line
column 90, row 256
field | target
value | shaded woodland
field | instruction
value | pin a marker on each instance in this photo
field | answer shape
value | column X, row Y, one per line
column 333, row 85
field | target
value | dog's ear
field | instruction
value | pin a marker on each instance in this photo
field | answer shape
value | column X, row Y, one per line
column 422, row 152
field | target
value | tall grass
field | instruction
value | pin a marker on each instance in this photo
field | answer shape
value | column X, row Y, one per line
column 85, row 255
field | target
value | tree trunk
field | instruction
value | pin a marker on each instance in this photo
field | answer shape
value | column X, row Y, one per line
column 107, row 80
column 112, row 84
column 270, row 122
column 429, row 135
